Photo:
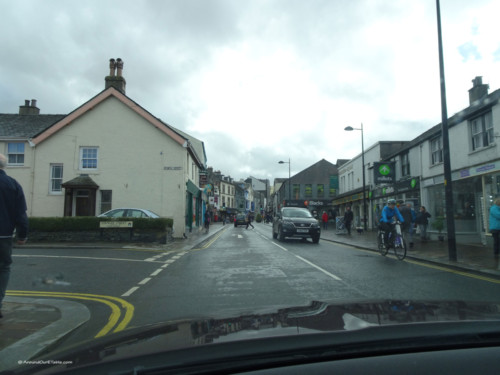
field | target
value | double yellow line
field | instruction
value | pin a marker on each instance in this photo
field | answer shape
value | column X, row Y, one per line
column 117, row 306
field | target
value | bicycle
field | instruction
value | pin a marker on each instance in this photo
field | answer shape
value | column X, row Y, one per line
column 397, row 242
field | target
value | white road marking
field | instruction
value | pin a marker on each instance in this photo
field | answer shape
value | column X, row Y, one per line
column 310, row 263
column 130, row 291
column 156, row 272
column 144, row 281
column 89, row 258
column 319, row 268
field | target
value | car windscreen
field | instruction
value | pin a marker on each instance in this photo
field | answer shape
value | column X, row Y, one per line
column 296, row 213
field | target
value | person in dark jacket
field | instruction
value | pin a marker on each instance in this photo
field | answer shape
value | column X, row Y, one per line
column 348, row 218
column 422, row 221
column 12, row 216
column 409, row 215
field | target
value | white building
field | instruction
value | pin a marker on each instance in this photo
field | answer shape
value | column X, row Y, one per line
column 110, row 152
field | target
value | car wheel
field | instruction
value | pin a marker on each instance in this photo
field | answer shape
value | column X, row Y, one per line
column 281, row 237
column 315, row 239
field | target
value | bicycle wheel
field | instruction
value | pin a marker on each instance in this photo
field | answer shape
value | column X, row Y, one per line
column 400, row 247
column 381, row 247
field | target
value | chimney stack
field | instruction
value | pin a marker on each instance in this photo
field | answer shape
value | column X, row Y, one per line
column 115, row 80
column 29, row 109
column 478, row 90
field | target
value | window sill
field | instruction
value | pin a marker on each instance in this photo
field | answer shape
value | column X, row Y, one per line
column 491, row 145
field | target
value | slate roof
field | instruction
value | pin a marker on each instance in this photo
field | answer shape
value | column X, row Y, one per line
column 80, row 181
column 25, row 126
column 316, row 172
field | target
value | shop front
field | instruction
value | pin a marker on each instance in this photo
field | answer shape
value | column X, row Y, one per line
column 354, row 199
column 474, row 191
column 403, row 191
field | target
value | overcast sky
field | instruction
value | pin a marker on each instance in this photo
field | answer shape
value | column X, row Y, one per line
column 258, row 81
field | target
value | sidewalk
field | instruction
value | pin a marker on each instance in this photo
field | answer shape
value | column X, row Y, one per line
column 470, row 257
column 30, row 325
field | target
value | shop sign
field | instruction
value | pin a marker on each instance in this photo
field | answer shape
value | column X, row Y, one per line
column 316, row 203
column 468, row 172
column 384, row 173
column 407, row 185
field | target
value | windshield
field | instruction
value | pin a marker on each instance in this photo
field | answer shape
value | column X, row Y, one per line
column 204, row 160
column 296, row 213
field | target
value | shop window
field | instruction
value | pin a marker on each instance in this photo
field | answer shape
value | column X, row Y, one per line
column 296, row 191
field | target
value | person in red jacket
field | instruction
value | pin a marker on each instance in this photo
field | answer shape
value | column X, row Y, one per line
column 324, row 218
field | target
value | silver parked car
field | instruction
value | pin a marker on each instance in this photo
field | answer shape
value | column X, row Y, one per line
column 130, row 212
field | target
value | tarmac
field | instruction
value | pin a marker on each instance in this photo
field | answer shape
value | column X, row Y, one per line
column 31, row 325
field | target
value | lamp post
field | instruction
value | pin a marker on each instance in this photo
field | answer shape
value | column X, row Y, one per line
column 289, row 182
column 350, row 128
column 448, row 188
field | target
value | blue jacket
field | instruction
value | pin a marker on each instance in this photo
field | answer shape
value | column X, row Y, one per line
column 12, row 208
column 388, row 213
column 495, row 217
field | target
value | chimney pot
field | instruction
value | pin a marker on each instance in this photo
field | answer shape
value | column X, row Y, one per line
column 119, row 66
column 29, row 108
column 112, row 67
column 116, row 81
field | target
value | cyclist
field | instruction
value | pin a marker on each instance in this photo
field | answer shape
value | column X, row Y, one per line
column 386, row 224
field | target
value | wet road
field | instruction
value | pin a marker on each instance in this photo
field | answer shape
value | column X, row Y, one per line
column 238, row 272
column 246, row 271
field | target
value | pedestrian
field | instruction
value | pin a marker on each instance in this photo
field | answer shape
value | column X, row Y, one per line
column 249, row 220
column 495, row 227
column 324, row 218
column 422, row 221
column 348, row 218
column 12, row 216
column 207, row 221
column 409, row 215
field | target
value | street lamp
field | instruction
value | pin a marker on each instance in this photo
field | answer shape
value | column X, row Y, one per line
column 448, row 188
column 350, row 128
column 289, row 182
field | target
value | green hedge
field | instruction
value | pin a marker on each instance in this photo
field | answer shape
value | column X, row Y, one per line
column 82, row 223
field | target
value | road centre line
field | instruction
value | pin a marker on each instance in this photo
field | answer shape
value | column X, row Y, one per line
column 144, row 281
column 115, row 309
column 130, row 291
column 156, row 272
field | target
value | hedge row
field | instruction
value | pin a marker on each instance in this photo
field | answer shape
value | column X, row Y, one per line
column 80, row 223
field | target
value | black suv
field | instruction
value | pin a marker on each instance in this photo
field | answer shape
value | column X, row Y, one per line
column 296, row 222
